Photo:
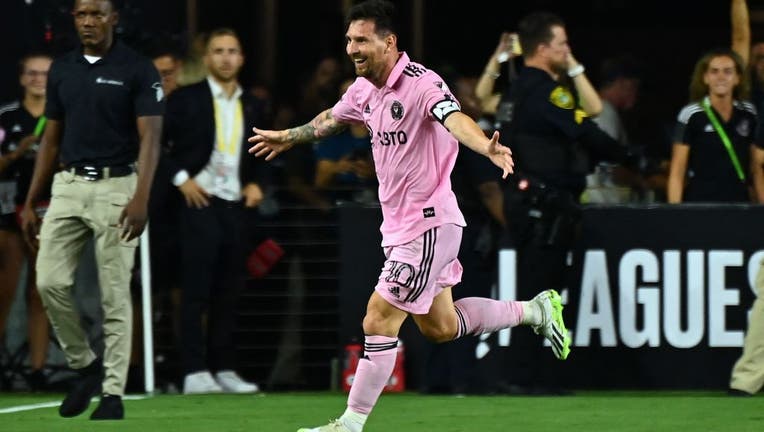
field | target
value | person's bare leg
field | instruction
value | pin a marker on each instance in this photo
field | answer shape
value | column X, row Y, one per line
column 440, row 324
column 380, row 326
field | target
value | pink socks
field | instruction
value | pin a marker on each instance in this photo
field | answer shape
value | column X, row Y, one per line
column 373, row 372
column 477, row 315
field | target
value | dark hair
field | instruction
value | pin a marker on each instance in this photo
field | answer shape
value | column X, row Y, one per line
column 221, row 31
column 536, row 29
column 116, row 5
column 31, row 55
column 163, row 46
column 624, row 66
column 382, row 12
column 165, row 53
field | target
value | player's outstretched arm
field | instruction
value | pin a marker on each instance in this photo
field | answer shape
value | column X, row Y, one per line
column 467, row 132
column 270, row 143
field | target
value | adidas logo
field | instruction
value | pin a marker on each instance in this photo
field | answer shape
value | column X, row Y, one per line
column 367, row 110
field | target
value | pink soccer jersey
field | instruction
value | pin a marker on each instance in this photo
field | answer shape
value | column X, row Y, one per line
column 413, row 151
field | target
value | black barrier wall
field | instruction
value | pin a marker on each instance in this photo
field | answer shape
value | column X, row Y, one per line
column 657, row 297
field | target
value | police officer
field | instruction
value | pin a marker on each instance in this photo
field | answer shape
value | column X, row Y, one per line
column 553, row 142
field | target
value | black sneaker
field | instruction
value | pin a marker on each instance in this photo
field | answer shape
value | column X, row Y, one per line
column 110, row 408
column 87, row 385
column 37, row 380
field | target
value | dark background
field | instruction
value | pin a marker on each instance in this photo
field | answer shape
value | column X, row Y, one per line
column 684, row 228
column 667, row 37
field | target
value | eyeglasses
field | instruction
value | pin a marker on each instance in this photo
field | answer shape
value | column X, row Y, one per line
column 82, row 15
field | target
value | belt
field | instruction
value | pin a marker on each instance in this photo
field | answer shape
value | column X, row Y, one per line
column 92, row 173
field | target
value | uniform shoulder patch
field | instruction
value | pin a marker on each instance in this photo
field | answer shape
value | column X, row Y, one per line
column 580, row 115
column 562, row 98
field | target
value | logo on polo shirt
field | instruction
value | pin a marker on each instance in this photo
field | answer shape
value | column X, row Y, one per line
column 396, row 110
column 429, row 212
column 102, row 80
column 367, row 110
column 159, row 91
column 16, row 128
column 441, row 85
column 708, row 128
column 743, row 128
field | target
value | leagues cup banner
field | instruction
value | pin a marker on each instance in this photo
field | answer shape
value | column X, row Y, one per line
column 657, row 297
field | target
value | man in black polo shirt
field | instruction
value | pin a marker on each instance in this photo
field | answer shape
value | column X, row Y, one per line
column 104, row 111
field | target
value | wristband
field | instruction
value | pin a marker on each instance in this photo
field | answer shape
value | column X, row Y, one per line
column 180, row 177
column 576, row 70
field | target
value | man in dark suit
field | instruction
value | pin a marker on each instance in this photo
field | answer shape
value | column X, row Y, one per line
column 207, row 161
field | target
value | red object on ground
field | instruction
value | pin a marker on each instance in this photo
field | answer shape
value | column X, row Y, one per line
column 353, row 354
column 263, row 258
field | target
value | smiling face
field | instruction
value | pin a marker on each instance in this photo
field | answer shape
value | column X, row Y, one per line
column 721, row 76
column 34, row 77
column 373, row 55
column 94, row 21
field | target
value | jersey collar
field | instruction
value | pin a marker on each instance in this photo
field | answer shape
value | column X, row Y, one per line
column 115, row 53
column 395, row 74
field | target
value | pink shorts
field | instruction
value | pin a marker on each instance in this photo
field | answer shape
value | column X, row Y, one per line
column 415, row 272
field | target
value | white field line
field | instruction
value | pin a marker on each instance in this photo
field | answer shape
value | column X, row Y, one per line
column 30, row 407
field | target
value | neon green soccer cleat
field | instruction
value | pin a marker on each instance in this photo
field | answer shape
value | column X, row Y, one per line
column 552, row 326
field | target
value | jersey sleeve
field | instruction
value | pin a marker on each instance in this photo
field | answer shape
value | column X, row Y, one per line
column 149, row 96
column 53, row 107
column 347, row 109
column 753, row 137
column 436, row 98
column 683, row 130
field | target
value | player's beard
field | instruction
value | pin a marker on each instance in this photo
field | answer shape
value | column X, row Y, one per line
column 365, row 70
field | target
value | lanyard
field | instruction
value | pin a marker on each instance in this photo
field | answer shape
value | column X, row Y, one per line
column 228, row 146
column 724, row 137
column 40, row 126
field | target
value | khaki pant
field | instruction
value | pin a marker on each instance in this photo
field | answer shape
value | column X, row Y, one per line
column 81, row 209
column 748, row 373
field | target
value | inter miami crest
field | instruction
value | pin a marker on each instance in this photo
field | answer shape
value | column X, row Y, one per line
column 396, row 110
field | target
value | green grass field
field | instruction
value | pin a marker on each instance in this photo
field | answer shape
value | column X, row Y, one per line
column 585, row 412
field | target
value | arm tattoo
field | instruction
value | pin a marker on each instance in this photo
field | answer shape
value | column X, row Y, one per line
column 322, row 126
